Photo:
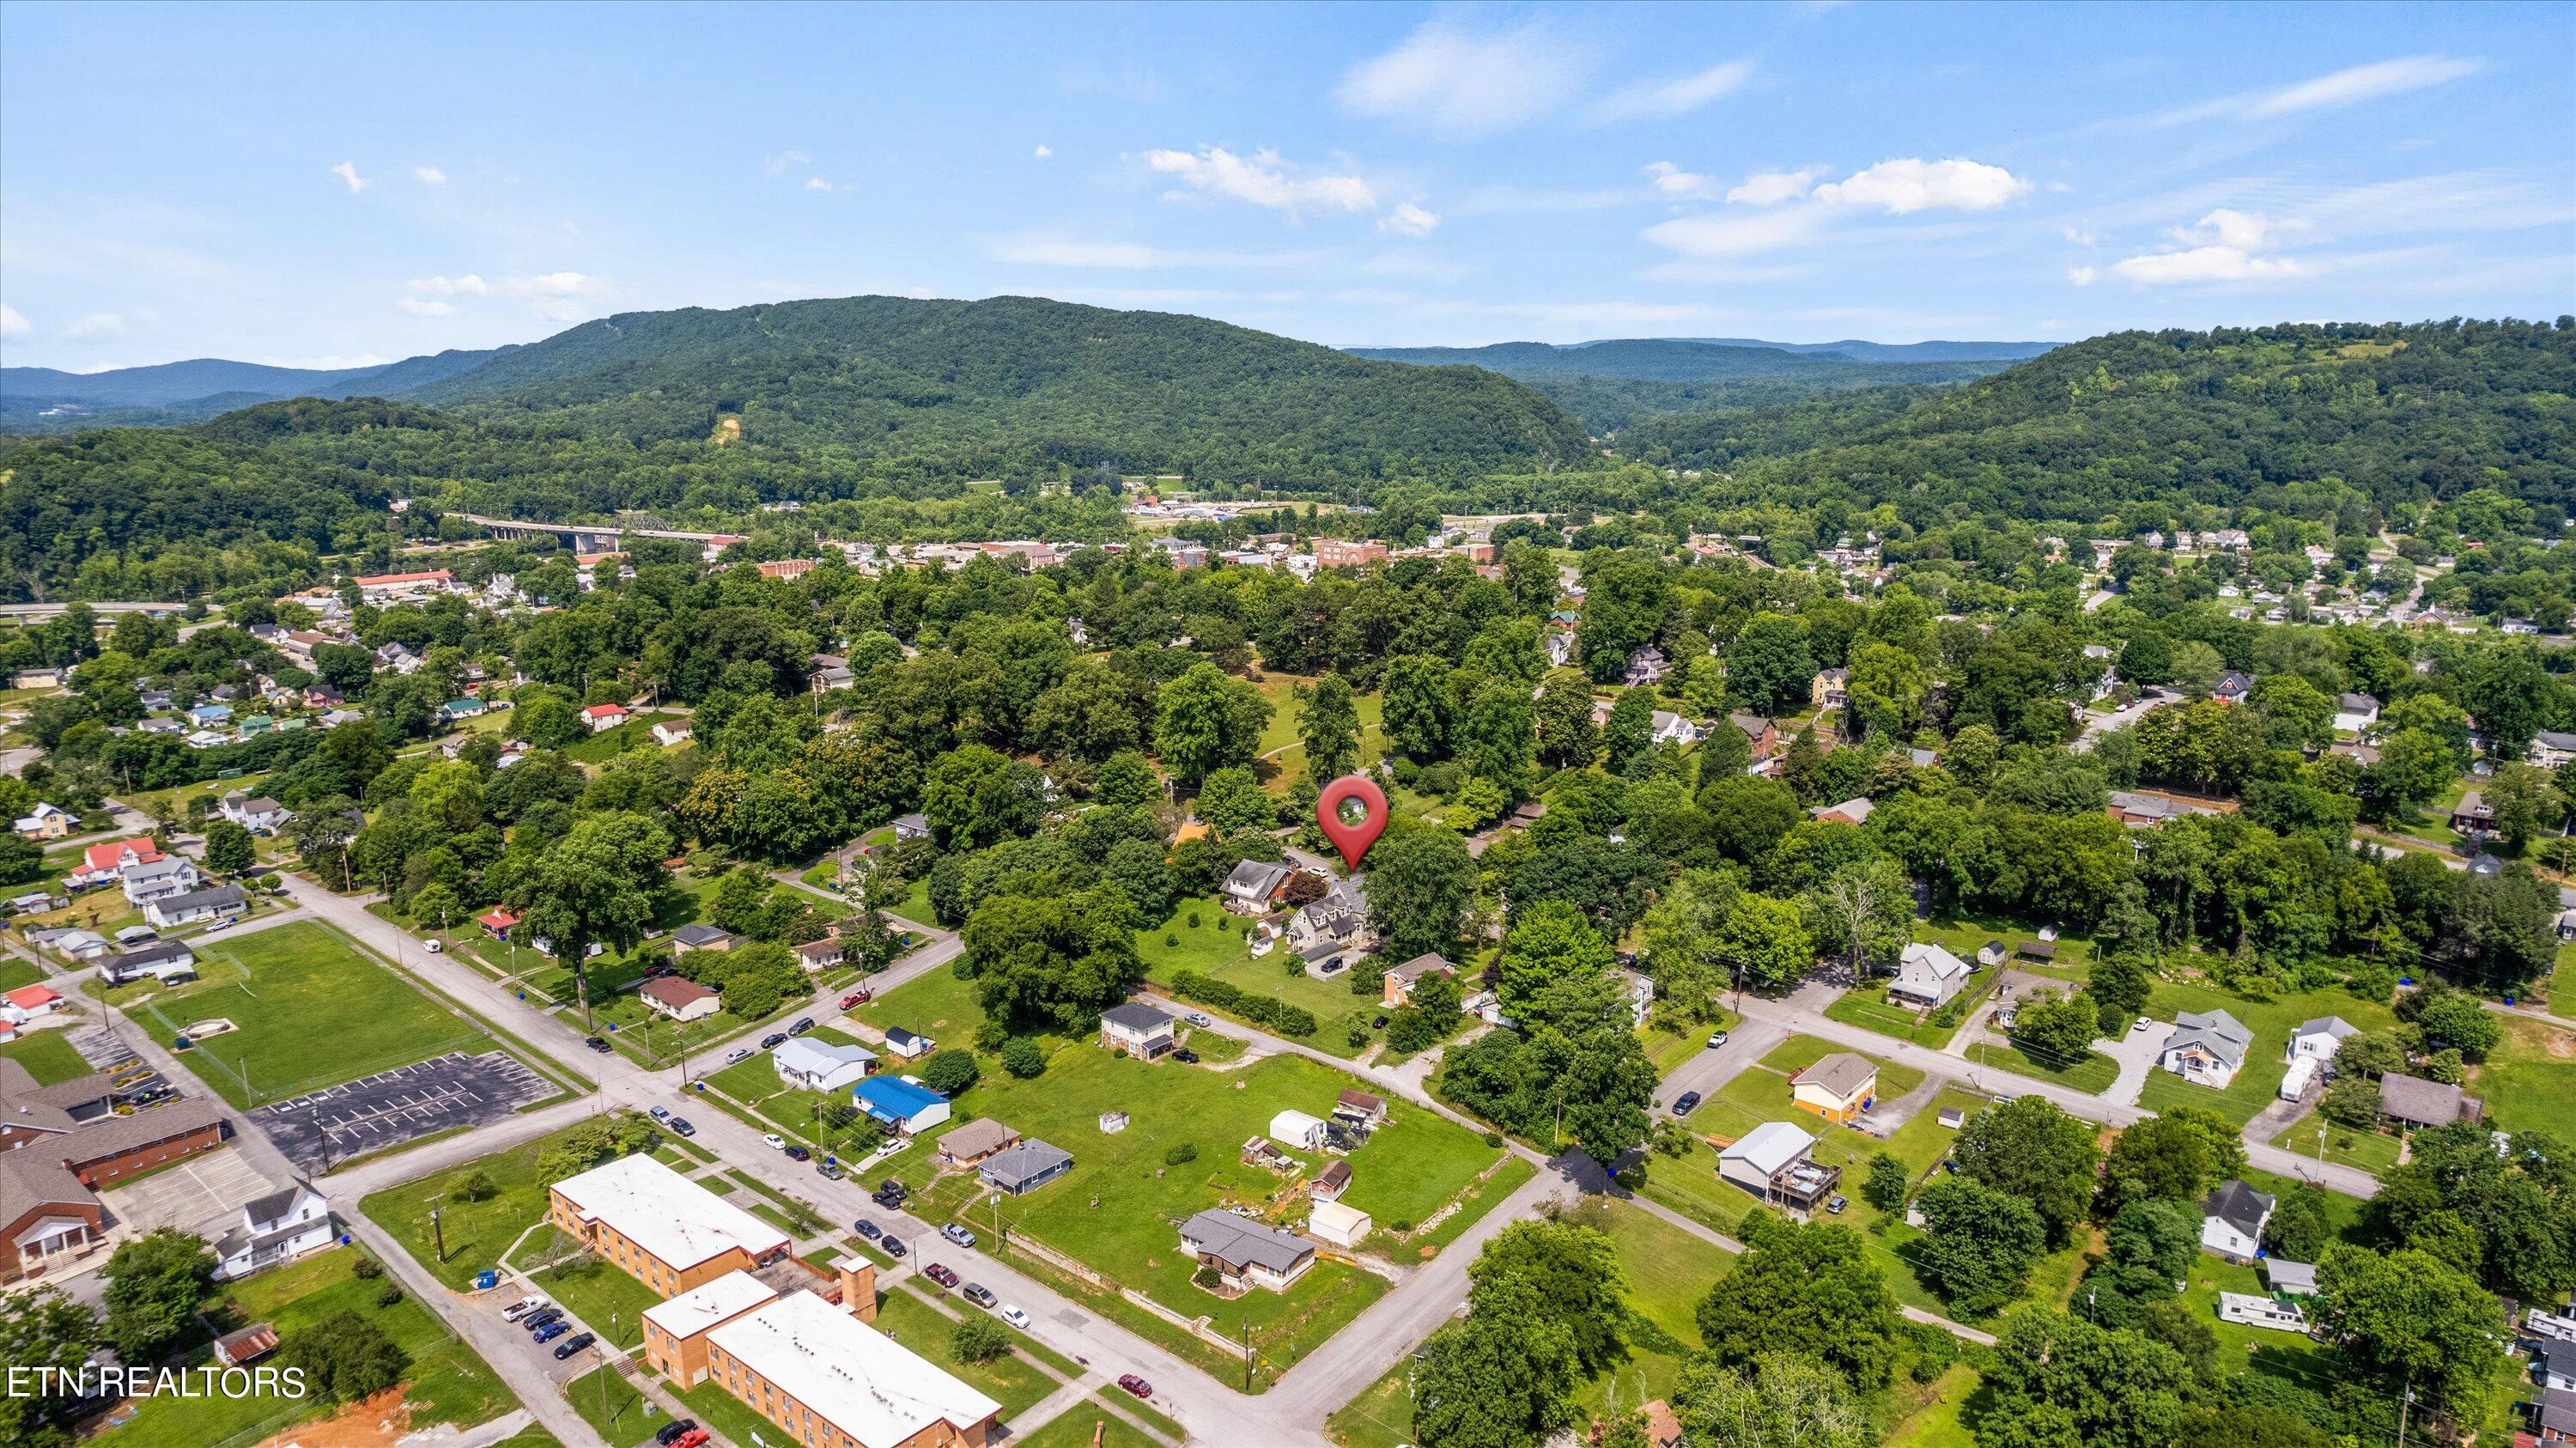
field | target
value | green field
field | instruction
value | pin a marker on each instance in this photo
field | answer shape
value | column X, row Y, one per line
column 614, row 1409
column 2092, row 1075
column 444, row 1381
column 1073, row 1428
column 2529, row 1081
column 47, row 1055
column 1381, row 1416
column 607, row 744
column 477, row 1233
column 1667, row 1272
column 2372, row 1151
column 15, row 972
column 1217, row 947
column 309, row 1010
column 607, row 1300
column 1010, row 1380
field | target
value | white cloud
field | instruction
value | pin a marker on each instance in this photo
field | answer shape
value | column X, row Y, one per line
column 348, row 172
column 1672, row 180
column 1262, row 179
column 1913, row 184
column 554, row 284
column 1408, row 219
column 424, row 307
column 1509, row 199
column 784, row 162
column 1043, row 151
column 2346, row 87
column 2083, row 276
column 2238, row 229
column 1048, row 248
column 1454, row 81
column 13, row 323
column 1677, row 97
column 2079, row 236
column 2227, row 246
column 468, row 285
column 106, row 324
column 549, row 295
column 1770, row 188
column 1738, row 233
column 817, row 183
column 429, row 175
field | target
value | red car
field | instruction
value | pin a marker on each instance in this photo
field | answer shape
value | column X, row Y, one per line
column 694, row 1438
column 1136, row 1385
column 856, row 998
column 939, row 1274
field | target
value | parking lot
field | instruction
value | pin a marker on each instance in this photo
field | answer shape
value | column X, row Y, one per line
column 444, row 1093
column 202, row 1195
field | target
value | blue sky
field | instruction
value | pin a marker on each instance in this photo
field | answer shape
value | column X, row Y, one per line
column 325, row 185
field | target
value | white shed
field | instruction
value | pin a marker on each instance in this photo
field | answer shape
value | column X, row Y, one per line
column 1297, row 1130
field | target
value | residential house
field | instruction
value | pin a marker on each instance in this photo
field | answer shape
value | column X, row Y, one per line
column 2319, row 1039
column 36, row 679
column 2146, row 809
column 1297, row 1131
column 2551, row 748
column 1772, row 1161
column 1645, row 666
column 910, row 1045
column 168, row 961
column 399, row 659
column 700, row 937
column 1139, row 1030
column 1329, row 1184
column 2206, row 1048
column 1022, row 1169
column 2232, row 1219
column 603, row 717
column 670, row 733
column 1762, row 734
column 975, row 1141
column 2232, row 688
column 1246, row 1254
column 207, row 716
column 28, row 1002
column 2553, row 1365
column 1927, row 976
column 906, row 1106
column 277, row 1227
column 1672, row 728
column 1562, row 650
column 674, row 998
column 811, row 1065
column 1365, row 1110
column 194, row 907
column 826, row 672
column 499, row 922
column 1254, row 887
column 818, row 954
column 2473, row 816
column 323, row 696
column 911, row 827
column 44, row 822
column 2410, row 1102
column 149, row 880
column 1838, row 1087
column 1400, row 980
column 1338, row 922
column 1853, row 811
column 1831, row 688
column 256, row 813
column 659, row 1227
column 2109, row 678
column 2355, row 712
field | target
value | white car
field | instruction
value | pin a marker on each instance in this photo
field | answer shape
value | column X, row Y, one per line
column 2143, row 1023
column 776, row 1141
column 1015, row 1317
column 432, row 946
column 521, row 1308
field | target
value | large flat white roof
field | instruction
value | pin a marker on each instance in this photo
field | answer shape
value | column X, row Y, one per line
column 848, row 1373
column 703, row 1306
column 667, row 1214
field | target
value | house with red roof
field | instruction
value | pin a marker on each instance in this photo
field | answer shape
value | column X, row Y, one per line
column 601, row 717
column 101, row 862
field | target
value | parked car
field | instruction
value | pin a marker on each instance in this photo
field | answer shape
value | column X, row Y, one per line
column 553, row 1330
column 694, row 1438
column 599, row 1044
column 775, row 1141
column 537, row 1320
column 1016, row 1318
column 1198, row 1018
column 433, row 947
column 773, row 1040
column 1136, row 1385
column 958, row 1235
column 828, row 1169
column 573, row 1344
column 856, row 998
column 798, row 1153
column 977, row 1293
column 671, row 1431
column 891, row 1201
column 1716, row 1039
column 660, row 1113
column 803, row 1024
column 940, row 1274
column 1688, row 1103
column 1185, row 1055
column 891, row 1246
column 738, row 1053
column 1378, row 1024
column 867, row 1229
column 680, row 1126
column 1837, row 1204
column 522, row 1308
column 2143, row 1023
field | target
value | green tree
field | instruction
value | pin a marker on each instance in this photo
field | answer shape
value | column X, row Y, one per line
column 2035, row 1151
column 1550, row 943
column 1865, row 910
column 1809, row 1290
column 1126, row 781
column 1204, row 721
column 978, row 1339
column 1420, row 882
column 345, row 1357
column 2523, row 799
column 1764, row 942
column 155, row 1283
column 1416, row 707
column 2059, row 1380
column 2175, row 1156
column 1057, row 961
column 1768, row 665
column 1889, row 1177
column 1232, row 802
column 1023, row 1057
column 1887, row 686
column 1782, row 1400
column 2055, row 1028
column 1979, row 1243
column 2408, row 1321
column 950, row 1071
column 1498, row 738
column 41, row 1328
column 1329, row 724
column 1576, row 1269
column 228, row 848
column 2301, row 1226
column 1629, row 729
column 1567, row 738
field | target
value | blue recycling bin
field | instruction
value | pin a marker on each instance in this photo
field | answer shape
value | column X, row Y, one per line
column 486, row 1280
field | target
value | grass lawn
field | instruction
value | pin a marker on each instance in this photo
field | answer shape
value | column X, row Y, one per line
column 1961, row 935
column 1937, row 1423
column 2372, row 1151
column 936, row 1004
column 309, row 1010
column 612, row 1406
column 1073, row 1428
column 1479, row 1201
column 722, row 1411
column 1667, row 1272
column 444, row 1381
column 477, row 1232
column 1217, row 947
column 1010, row 1380
column 2529, row 1080
column 607, row 744
column 603, row 1296
column 2272, row 1021
column 47, row 1055
column 15, row 972
column 2094, row 1073
column 1381, row 1416
column 1867, row 1007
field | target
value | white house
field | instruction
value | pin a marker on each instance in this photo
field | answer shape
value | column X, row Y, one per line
column 603, row 717
column 222, row 902
column 2319, row 1039
column 1139, row 1030
column 145, row 881
column 258, row 814
column 279, row 1227
column 671, row 732
column 2232, row 1219
column 1672, row 728
column 1928, row 976
column 803, row 1062
column 1296, row 1129
column 2355, row 712
column 2550, row 748
column 1253, row 887
column 1245, row 1253
column 2207, row 1048
column 675, row 998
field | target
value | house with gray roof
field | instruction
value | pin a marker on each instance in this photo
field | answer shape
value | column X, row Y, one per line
column 1246, row 1254
column 1139, row 1030
column 2207, row 1048
column 2232, row 1219
column 1253, row 887
column 2410, row 1102
column 1024, row 1168
column 222, row 902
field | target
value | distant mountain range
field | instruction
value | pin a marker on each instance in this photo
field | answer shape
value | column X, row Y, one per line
column 206, row 386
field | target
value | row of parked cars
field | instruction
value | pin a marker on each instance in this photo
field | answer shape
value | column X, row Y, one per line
column 545, row 1322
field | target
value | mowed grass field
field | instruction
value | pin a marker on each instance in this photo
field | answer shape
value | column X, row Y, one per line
column 1218, row 946
column 309, row 1009
column 47, row 1055
column 2529, row 1080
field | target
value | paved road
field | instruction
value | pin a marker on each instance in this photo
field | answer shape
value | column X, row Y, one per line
column 1709, row 1071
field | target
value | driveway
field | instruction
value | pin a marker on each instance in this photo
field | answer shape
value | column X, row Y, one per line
column 2136, row 1051
column 1708, row 1071
column 203, row 1195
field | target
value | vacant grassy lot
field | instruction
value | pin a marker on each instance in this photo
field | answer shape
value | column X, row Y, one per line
column 15, row 972
column 613, row 1407
column 1667, row 1272
column 309, row 1010
column 47, row 1055
column 1010, row 1380
column 2372, row 1151
column 2529, row 1080
column 443, row 1380
column 603, row 1296
column 478, row 1232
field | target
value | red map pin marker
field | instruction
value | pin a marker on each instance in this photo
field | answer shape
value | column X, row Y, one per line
column 1353, row 840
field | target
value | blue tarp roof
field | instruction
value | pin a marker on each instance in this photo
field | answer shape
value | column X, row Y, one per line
column 891, row 1098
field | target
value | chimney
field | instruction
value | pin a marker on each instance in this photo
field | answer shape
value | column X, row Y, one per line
column 858, row 1287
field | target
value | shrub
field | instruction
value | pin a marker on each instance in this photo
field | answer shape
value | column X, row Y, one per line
column 991, row 1035
column 1182, row 1154
column 1493, row 1138
column 1206, row 1277
column 978, row 1340
column 1194, row 920
column 950, row 1071
column 367, row 1269
column 1022, row 1058
column 389, row 1294
column 1359, row 1037
column 1930, row 1351
column 1170, row 939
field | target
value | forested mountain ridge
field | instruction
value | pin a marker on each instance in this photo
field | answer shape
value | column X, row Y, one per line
column 42, row 399
column 2148, row 421
column 1015, row 383
column 1614, row 384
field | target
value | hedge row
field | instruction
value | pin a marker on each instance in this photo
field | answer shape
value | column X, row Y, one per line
column 1261, row 1010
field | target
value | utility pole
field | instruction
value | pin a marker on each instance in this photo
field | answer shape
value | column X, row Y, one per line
column 440, row 1228
column 2403, row 1405
column 2321, row 1148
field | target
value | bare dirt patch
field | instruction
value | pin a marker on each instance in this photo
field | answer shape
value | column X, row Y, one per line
column 377, row 1422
